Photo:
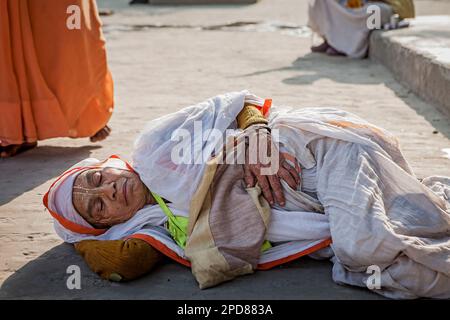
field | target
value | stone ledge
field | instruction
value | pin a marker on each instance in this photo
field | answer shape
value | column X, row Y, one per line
column 419, row 57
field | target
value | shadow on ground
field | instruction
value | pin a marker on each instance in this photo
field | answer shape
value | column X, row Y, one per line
column 46, row 277
column 26, row 171
column 315, row 66
column 161, row 9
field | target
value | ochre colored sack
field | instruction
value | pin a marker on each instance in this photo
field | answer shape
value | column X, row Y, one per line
column 118, row 260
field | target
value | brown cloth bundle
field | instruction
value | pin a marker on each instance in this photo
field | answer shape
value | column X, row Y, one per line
column 118, row 260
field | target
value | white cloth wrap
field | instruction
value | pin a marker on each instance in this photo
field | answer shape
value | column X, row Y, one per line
column 344, row 29
column 377, row 211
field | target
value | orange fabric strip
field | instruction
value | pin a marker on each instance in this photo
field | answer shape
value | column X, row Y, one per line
column 158, row 245
column 272, row 264
column 161, row 247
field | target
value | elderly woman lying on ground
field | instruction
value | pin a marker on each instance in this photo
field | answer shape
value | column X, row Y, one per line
column 335, row 187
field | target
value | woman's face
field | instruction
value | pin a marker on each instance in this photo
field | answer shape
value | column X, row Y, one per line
column 108, row 196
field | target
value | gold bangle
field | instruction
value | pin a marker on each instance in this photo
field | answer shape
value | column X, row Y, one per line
column 250, row 115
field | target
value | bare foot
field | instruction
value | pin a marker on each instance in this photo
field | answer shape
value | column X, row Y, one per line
column 321, row 47
column 105, row 12
column 138, row 1
column 101, row 134
column 14, row 149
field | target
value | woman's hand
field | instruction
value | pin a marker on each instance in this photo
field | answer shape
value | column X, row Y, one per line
column 256, row 169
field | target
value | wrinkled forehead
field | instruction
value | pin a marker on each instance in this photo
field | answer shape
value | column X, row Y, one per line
column 88, row 178
column 81, row 190
column 84, row 179
column 58, row 199
column 84, row 184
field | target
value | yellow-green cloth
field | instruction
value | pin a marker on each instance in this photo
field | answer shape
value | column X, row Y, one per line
column 178, row 225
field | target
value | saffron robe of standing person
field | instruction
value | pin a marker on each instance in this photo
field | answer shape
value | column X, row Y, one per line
column 54, row 79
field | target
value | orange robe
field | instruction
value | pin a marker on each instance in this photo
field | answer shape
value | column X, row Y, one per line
column 54, row 82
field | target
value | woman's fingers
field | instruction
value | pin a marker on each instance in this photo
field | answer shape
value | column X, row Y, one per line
column 295, row 175
column 286, row 176
column 265, row 187
column 249, row 178
column 277, row 189
column 292, row 171
column 271, row 189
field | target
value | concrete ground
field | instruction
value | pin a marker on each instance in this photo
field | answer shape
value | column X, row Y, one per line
column 165, row 58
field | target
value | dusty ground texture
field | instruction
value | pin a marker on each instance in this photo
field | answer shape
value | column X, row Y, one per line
column 163, row 59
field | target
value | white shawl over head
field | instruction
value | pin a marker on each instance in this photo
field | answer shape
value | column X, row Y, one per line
column 189, row 129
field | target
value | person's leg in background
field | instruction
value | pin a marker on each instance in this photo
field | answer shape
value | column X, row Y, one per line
column 343, row 25
column 57, row 82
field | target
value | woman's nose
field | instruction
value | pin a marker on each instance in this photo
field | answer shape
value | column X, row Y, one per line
column 110, row 190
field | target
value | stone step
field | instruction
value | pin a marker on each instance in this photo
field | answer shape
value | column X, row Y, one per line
column 419, row 57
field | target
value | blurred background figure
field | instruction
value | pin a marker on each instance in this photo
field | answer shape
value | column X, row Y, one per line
column 343, row 23
column 54, row 79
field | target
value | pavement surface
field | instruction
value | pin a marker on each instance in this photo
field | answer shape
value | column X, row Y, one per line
column 165, row 58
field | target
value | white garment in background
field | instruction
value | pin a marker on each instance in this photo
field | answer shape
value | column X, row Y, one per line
column 344, row 29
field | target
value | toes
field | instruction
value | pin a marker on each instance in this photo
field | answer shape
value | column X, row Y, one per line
column 93, row 138
column 101, row 137
column 10, row 151
column 101, row 134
